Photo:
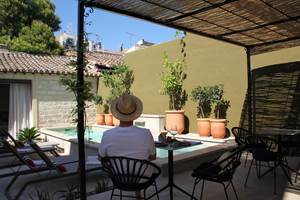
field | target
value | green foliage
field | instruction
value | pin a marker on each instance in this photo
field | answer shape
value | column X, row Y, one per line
column 221, row 105
column 37, row 39
column 172, row 83
column 28, row 134
column 119, row 81
column 102, row 185
column 204, row 97
column 71, row 84
column 41, row 195
column 105, row 108
column 5, row 39
column 181, row 35
column 70, row 193
column 88, row 95
column 210, row 96
column 15, row 14
column 28, row 26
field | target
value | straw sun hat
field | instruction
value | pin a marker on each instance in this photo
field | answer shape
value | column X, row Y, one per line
column 127, row 107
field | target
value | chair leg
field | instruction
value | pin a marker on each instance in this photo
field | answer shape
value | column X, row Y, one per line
column 112, row 193
column 286, row 174
column 144, row 197
column 156, row 190
column 202, row 188
column 195, row 183
column 248, row 173
column 247, row 153
column 257, row 169
column 275, row 178
column 234, row 190
column 225, row 189
column 296, row 177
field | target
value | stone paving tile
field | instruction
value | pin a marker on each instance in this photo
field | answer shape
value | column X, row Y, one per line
column 255, row 190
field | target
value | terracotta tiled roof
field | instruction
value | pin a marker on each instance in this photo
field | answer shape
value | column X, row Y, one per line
column 105, row 58
column 49, row 64
column 102, row 58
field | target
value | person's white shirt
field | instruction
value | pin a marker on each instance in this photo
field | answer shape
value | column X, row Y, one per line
column 131, row 141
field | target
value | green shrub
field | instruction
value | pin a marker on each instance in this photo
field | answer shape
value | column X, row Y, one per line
column 204, row 97
column 172, row 83
column 221, row 105
column 28, row 134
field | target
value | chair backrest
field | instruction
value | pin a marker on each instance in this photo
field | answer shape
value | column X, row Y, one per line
column 258, row 142
column 43, row 156
column 240, row 135
column 229, row 162
column 13, row 150
column 128, row 173
column 5, row 134
column 265, row 148
column 291, row 144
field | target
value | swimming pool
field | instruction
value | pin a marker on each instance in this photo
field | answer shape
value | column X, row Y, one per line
column 94, row 134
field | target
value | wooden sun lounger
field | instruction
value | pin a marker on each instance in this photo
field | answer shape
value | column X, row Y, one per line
column 46, row 164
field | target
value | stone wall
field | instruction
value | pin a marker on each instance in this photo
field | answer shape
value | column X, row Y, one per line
column 55, row 104
column 51, row 103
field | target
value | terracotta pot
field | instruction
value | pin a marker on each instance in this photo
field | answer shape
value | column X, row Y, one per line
column 116, row 122
column 100, row 119
column 108, row 119
column 175, row 120
column 218, row 128
column 203, row 127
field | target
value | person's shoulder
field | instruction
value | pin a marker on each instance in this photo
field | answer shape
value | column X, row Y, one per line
column 109, row 132
column 140, row 129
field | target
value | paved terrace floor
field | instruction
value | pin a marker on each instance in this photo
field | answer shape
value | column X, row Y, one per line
column 256, row 189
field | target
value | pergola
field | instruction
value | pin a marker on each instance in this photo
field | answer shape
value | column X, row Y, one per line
column 259, row 26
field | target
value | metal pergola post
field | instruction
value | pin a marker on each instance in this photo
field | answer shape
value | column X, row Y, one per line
column 80, row 101
column 249, row 90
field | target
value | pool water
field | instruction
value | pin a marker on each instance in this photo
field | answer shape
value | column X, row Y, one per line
column 94, row 134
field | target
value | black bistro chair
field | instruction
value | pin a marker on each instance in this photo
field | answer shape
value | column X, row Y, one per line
column 291, row 144
column 241, row 135
column 220, row 170
column 131, row 175
column 266, row 150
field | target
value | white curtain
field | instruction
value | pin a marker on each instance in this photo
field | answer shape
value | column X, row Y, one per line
column 20, row 100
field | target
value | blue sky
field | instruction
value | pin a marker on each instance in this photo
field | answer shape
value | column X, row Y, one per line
column 110, row 28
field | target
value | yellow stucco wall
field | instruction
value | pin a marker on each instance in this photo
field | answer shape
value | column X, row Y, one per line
column 209, row 62
column 276, row 57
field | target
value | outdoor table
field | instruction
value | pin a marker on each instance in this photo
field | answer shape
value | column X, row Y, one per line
column 170, row 148
column 277, row 132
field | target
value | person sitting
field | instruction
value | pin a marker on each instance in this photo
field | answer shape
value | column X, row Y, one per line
column 127, row 140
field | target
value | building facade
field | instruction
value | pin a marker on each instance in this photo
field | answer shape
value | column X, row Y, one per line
column 31, row 92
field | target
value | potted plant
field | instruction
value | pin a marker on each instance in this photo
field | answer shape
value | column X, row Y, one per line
column 119, row 81
column 218, row 125
column 108, row 118
column 203, row 97
column 100, row 116
column 28, row 135
column 172, row 85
